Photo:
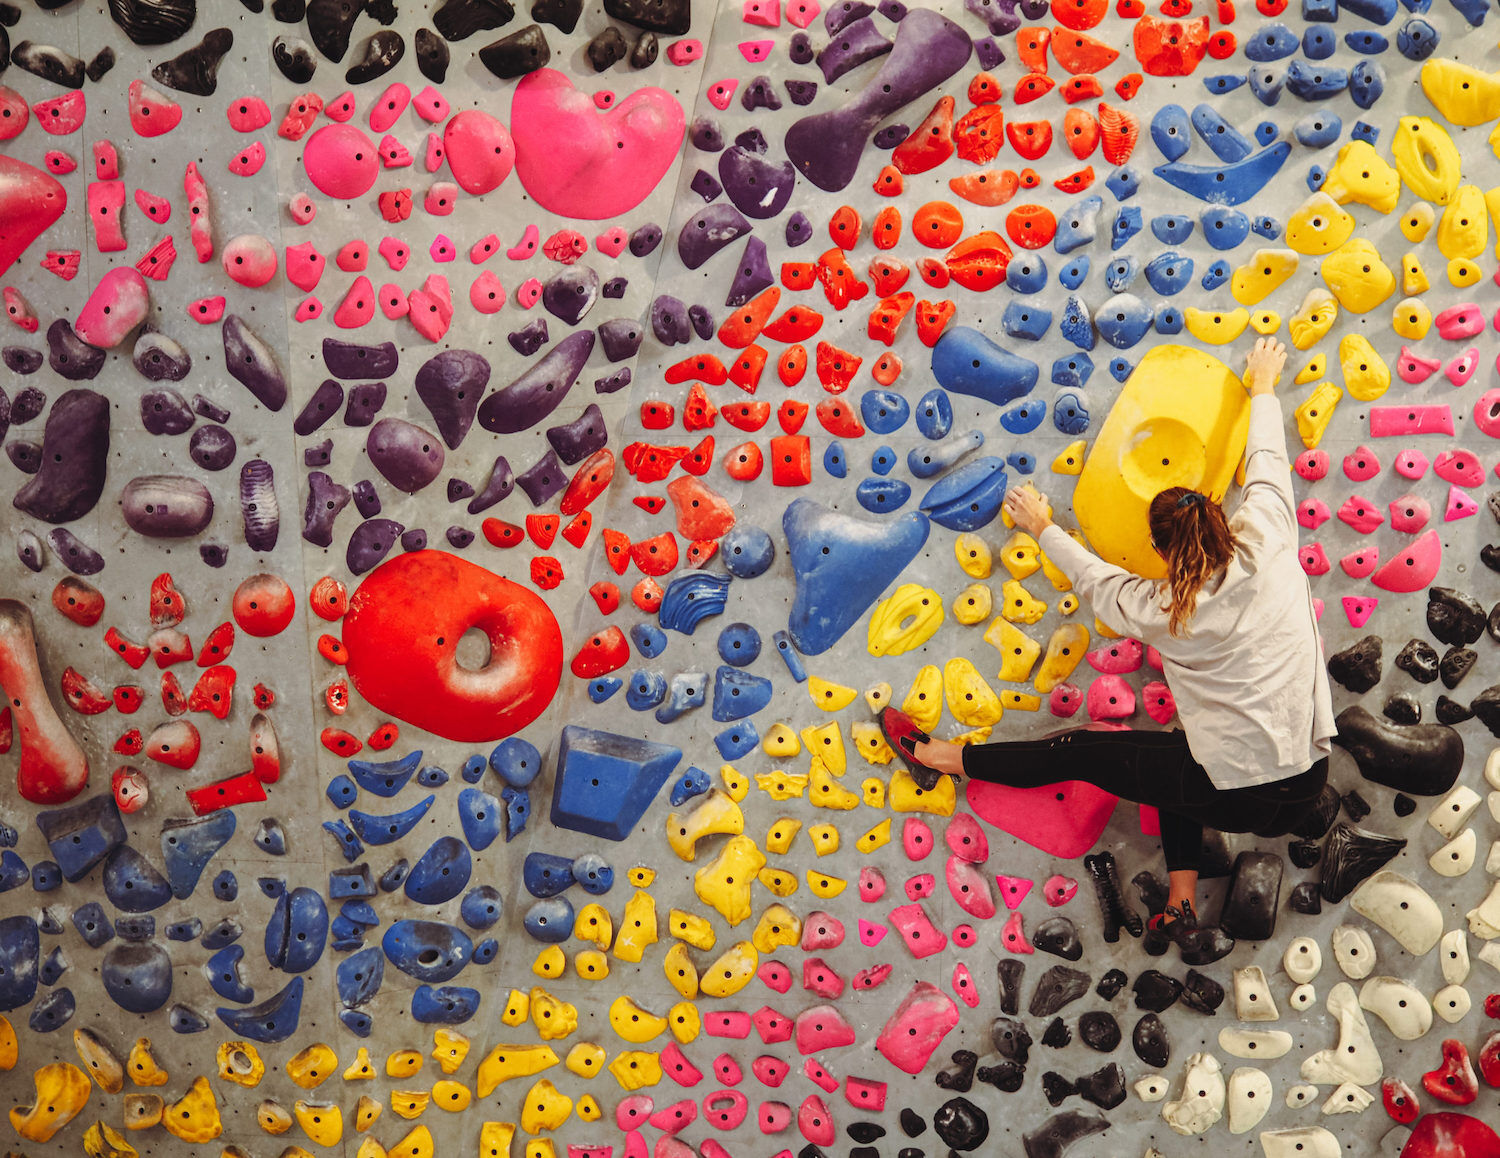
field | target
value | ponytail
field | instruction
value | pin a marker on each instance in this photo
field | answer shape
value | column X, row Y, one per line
column 1191, row 533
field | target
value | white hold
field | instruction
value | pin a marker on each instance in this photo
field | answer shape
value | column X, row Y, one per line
column 1492, row 861
column 1307, row 1142
column 1355, row 1058
column 1152, row 1088
column 1303, row 998
column 1453, row 950
column 1252, row 995
column 1493, row 799
column 1401, row 1005
column 1249, row 1094
column 1490, row 954
column 1202, row 1101
column 1492, row 768
column 1457, row 856
column 1299, row 1096
column 1452, row 812
column 1347, row 1099
column 1402, row 908
column 1452, row 1003
column 1259, row 1044
column 1354, row 952
column 1484, row 918
column 1302, row 959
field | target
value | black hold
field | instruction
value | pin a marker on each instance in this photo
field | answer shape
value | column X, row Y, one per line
column 1011, row 1039
column 961, row 1124
column 1351, row 855
column 48, row 62
column 432, row 54
column 1403, row 708
column 865, row 1132
column 1304, row 853
column 958, row 1077
column 213, row 554
column 1356, row 807
column 148, row 22
column 562, row 14
column 574, row 441
column 1357, row 667
column 668, row 17
column 1403, row 805
column 913, row 1125
column 1249, row 912
column 1115, row 913
column 1010, row 972
column 1105, row 1087
column 1056, row 1088
column 1057, row 1035
column 1423, row 759
column 294, row 57
column 10, row 16
column 1454, row 616
column 1486, row 705
column 1493, row 502
column 1058, row 936
column 1150, row 1041
column 1316, row 822
column 1447, row 711
column 29, row 403
column 607, row 48
column 1489, row 555
column 1418, row 659
column 459, row 19
column 1152, row 891
column 705, row 185
column 1201, row 993
column 74, row 457
column 382, row 52
column 523, row 51
column 1305, row 898
column 645, row 52
column 1457, row 662
column 1053, row 1137
column 99, row 65
column 196, row 71
column 330, row 24
column 1058, row 986
column 1492, row 623
column 1099, row 1030
column 251, row 362
column 911, row 1152
column 1111, row 983
column 1215, row 859
column 288, row 11
column 1005, row 1076
column 1155, row 991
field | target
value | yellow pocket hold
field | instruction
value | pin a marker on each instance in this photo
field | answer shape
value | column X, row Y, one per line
column 544, row 1108
column 194, row 1117
column 640, row 877
column 591, row 965
column 779, row 784
column 505, row 1062
column 594, row 925
column 878, row 696
column 102, row 1140
column 143, row 1111
column 1019, row 555
column 973, row 604
column 872, row 790
column 141, row 1065
column 368, row 1148
column 715, row 814
column 1316, row 367
column 825, row 886
column 973, row 555
column 403, row 1063
column 735, row 967
column 1357, row 276
column 877, row 837
column 1265, row 321
column 823, row 791
column 691, row 928
column 777, row 882
column 1362, row 175
column 685, row 1021
column 311, row 1067
column 1462, row 94
column 495, row 1139
column 829, row 696
column 1426, row 158
column 632, row 1023
column 907, row 619
column 1462, row 273
column 635, row 1069
column 449, row 1048
column 826, row 743
column 681, row 973
column 1463, row 229
column 637, row 927
column 517, row 1008
column 553, row 1017
column 587, row 1109
column 323, row 1122
column 1417, row 222
column 970, row 699
column 724, row 883
column 1070, row 459
column 239, row 1062
column 908, row 796
column 451, row 1096
column 1020, row 701
column 777, row 926
column 1216, row 327
column 1018, row 651
column 1411, row 319
column 586, row 1060
column 924, row 702
column 1413, row 276
column 736, row 783
column 416, row 1144
column 1366, row 376
column 99, row 1061
column 271, row 1116
column 1318, row 226
column 361, row 1068
column 780, row 742
column 62, row 1090
column 366, row 1112
column 825, row 838
column 410, row 1104
column 1316, row 411
column 1314, row 318
column 1064, row 652
column 1067, row 604
column 870, row 743
column 1018, row 605
column 551, row 963
column 1262, row 275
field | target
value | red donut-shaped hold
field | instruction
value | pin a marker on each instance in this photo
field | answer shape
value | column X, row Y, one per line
column 402, row 631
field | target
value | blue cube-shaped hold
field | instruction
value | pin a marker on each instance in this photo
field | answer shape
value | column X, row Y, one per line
column 605, row 782
column 83, row 834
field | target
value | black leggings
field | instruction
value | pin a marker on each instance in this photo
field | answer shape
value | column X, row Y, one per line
column 1153, row 768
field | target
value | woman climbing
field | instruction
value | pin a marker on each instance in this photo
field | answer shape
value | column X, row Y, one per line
column 1234, row 624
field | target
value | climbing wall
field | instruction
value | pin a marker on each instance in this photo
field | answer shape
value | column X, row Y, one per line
column 477, row 472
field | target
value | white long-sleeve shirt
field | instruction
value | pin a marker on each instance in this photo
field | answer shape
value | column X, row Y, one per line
column 1248, row 677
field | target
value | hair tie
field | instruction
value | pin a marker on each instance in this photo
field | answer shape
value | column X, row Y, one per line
column 1189, row 499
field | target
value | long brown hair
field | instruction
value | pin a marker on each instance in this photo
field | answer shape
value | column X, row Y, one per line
column 1191, row 533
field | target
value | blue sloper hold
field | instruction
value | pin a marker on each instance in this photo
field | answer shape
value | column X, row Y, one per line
column 1320, row 11
column 50, row 922
column 1318, row 43
column 934, row 414
column 925, row 462
column 131, row 882
column 441, row 873
column 223, row 973
column 53, row 967
column 344, row 935
column 550, row 921
column 358, row 977
column 594, row 874
column 794, row 665
column 516, row 761
column 1230, row 184
column 738, row 739
column 1366, row 83
column 545, row 874
column 473, row 769
column 605, row 782
column 1315, row 82
column 1318, row 130
column 83, row 834
column 1020, row 462
column 1171, row 228
column 430, row 951
column 1026, row 274
column 432, row 776
column 1170, row 272
column 357, row 1022
column 1270, row 42
column 1025, row 320
column 1474, row 11
column 362, row 913
column 739, row 645
column 226, row 886
column 1416, row 39
column 387, row 778
column 1079, row 225
column 297, row 931
column 517, row 803
column 20, row 947
column 137, row 976
column 1266, row 132
column 880, row 496
column 1168, row 319
column 967, row 362
column 1120, row 369
column 1024, row 417
column 1226, row 141
column 692, row 597
column 445, row 1005
column 188, row 930
column 1075, row 273
column 1169, row 131
column 884, row 411
column 1364, row 131
column 1368, row 42
column 1129, row 220
column 479, row 816
column 273, row 1020
column 14, row 871
column 224, row 931
column 184, row 1019
column 392, row 826
column 686, row 691
column 1380, row 12
column 395, row 876
column 341, row 791
column 1223, row 83
column 645, row 689
column 1216, row 275
column 1076, row 325
column 93, row 924
column 842, row 564
column 883, row 461
column 1124, row 182
column 481, row 907
column 738, row 694
column 346, row 883
column 486, row 951
column 349, row 844
column 1264, row 225
column 836, row 460
column 1072, row 370
column 53, row 1011
column 1070, row 413
column 969, row 497
column 187, row 845
column 270, row 837
column 1266, row 83
column 601, row 688
column 1123, row 320
column 649, row 639
column 271, row 887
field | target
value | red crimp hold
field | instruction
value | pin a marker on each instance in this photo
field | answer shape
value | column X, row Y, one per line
column 1454, row 1082
column 589, row 481
column 1128, row 85
column 797, row 324
column 616, row 549
column 656, row 555
column 502, row 534
column 840, row 283
column 839, row 419
column 219, row 644
column 128, row 699
column 385, row 736
column 698, row 460
column 747, row 415
column 791, row 414
column 791, row 460
column 603, row 652
column 1079, row 14
column 698, row 413
column 930, row 143
column 82, row 695
column 1077, row 181
column 1033, row 87
column 300, row 115
column 744, row 324
column 888, row 273
column 1400, row 1100
column 650, row 463
column 746, row 369
column 932, row 320
column 886, row 230
column 541, row 529
column 744, row 463
column 836, row 368
column 79, row 601
column 577, row 529
column 1031, row 139
column 213, row 691
column 173, row 698
column 934, row 272
column 885, row 320
column 135, row 654
column 1031, row 50
column 887, row 368
column 657, row 414
column 1083, row 87
column 702, row 367
column 241, row 789
column 845, row 227
column 1078, row 52
column 340, row 742
column 131, row 743
column 606, row 596
column 336, row 696
column 647, row 595
column 798, row 275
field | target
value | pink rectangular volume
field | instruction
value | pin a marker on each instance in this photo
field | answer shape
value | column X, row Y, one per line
column 1386, row 421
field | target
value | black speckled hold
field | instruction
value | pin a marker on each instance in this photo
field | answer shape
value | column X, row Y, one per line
column 1057, row 1035
column 251, row 362
column 196, row 71
column 606, row 49
column 371, row 542
column 1458, row 662
column 516, row 55
column 1150, row 1041
column 614, row 381
column 1403, row 805
column 294, row 57
column 22, row 359
column 48, row 62
column 890, row 136
column 529, row 338
column 29, row 404
column 330, row 24
column 1304, row 853
column 1155, row 991
column 913, row 1125
column 459, row 489
column 1489, row 554
column 25, row 456
column 213, row 554
column 288, row 11
column 74, row 554
column 1419, row 659
column 164, row 411
column 457, row 20
column 571, row 294
column 1099, row 1030
column 959, row 1076
column 69, row 355
column 1111, row 983
column 668, row 17
column 1355, row 805
column 149, row 22
column 1058, row 936
column 706, row 135
column 1056, row 1088
column 1454, row 617
column 432, row 54
column 381, row 53
column 562, row 14
column 1011, row 1039
column 212, row 447
column 98, row 68
column 1105, row 1087
column 1447, row 711
column 1306, row 899
column 354, row 360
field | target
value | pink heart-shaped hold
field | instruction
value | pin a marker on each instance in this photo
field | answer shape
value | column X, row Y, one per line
column 480, row 150
column 341, row 161
column 64, row 115
column 612, row 241
column 14, row 113
column 578, row 162
column 1059, row 890
column 301, row 208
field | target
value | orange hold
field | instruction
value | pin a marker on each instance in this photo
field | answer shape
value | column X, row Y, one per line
column 1079, row 52
column 934, row 272
column 340, row 742
column 745, row 370
column 744, row 463
column 700, row 551
column 502, row 534
column 1029, row 178
column 651, row 463
column 1033, row 87
column 1128, row 85
column 889, row 274
column 656, row 555
column 214, row 691
column 937, row 224
column 578, row 527
column 1270, row 7
column 1031, row 48
column 700, row 367
column 647, row 595
column 1079, row 14
column 1176, row 9
column 1121, row 131
column 839, row 418
column 836, row 367
column 1168, row 47
column 331, row 649
column 791, row 459
column 329, row 598
column 747, row 415
column 932, row 320
column 887, row 316
column 984, row 89
column 1031, row 139
column 384, row 736
column 886, row 229
column 1031, row 226
column 845, row 226
column 744, row 324
column 698, row 413
column 792, row 364
column 979, row 262
column 1221, row 44
column 219, row 643
column 1226, row 11
column 980, row 133
column 1081, row 132
column 657, row 414
column 263, row 605
column 700, row 458
column 616, row 549
column 930, row 143
column 799, row 275
column 546, row 572
column 1076, row 182
column 1130, row 9
column 1083, row 87
column 795, row 325
column 840, row 284
column 887, row 368
column 989, row 188
column 791, row 414
column 541, row 529
column 651, row 504
column 589, row 481
column 606, row 596
column 889, row 182
column 603, row 651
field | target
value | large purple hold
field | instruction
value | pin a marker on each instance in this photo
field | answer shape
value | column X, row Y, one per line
column 164, row 411
column 645, row 239
column 371, row 542
column 529, row 338
column 166, row 506
column 351, row 360
column 999, row 18
column 574, row 441
column 708, row 231
column 22, row 359
column 212, row 447
column 322, row 406
column 69, row 355
column 501, row 482
column 543, row 479
column 325, row 499
column 669, row 320
column 258, row 505
column 75, row 455
column 837, row 17
column 857, row 44
column 76, row 555
column 366, row 499
column 159, row 358
column 407, row 456
column 252, row 364
column 620, row 338
column 450, row 385
column 537, row 393
column 826, row 147
column 571, row 294
column 758, row 186
column 365, row 401
column 752, row 275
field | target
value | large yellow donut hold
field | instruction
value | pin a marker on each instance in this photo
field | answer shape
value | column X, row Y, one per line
column 906, row 620
column 1180, row 420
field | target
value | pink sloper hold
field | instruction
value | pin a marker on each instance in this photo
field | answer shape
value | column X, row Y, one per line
column 1486, row 409
column 1409, row 513
column 1312, row 513
column 871, row 884
column 801, row 13
column 917, row 930
column 1058, row 890
column 821, row 930
column 970, row 890
column 1359, row 608
column 966, row 839
column 633, row 1111
column 1462, row 367
column 118, row 305
column 815, row 1072
column 765, row 13
column 151, row 113
column 1013, row 935
column 1361, row 514
column 1158, row 701
column 486, row 294
column 822, row 1027
column 1413, row 368
column 916, row 838
column 721, row 92
column 1118, row 657
column 1111, row 698
column 920, row 886
column 612, row 241
column 815, row 1122
column 1410, row 464
column 675, row 1064
column 865, row 1093
column 1361, row 463
column 341, row 161
column 1313, row 558
column 770, row 1071
column 1460, row 467
column 14, row 113
column 1414, row 568
column 1311, row 465
column 924, row 1017
column 1013, row 890
column 1358, row 564
column 774, row 975
column 1065, row 819
column 248, row 113
column 772, row 1117
column 578, row 162
column 675, row 1117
